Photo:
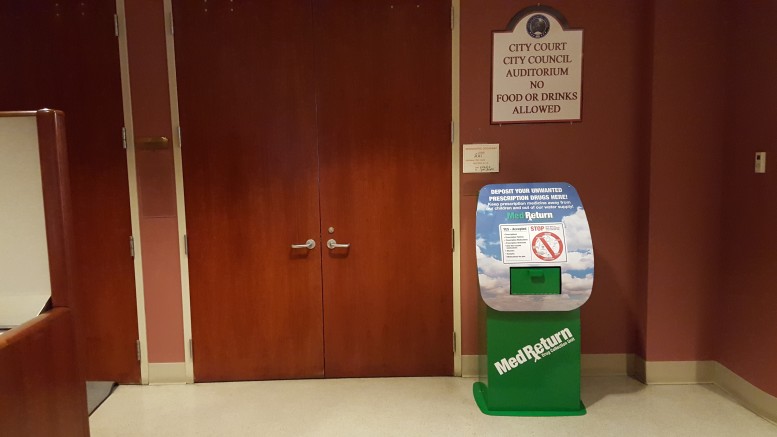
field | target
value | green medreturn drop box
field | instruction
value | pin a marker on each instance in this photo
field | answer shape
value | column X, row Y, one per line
column 544, row 381
column 531, row 294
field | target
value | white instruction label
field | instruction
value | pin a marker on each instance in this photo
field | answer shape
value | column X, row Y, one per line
column 524, row 243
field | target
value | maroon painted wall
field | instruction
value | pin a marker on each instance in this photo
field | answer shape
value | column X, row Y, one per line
column 684, row 247
column 604, row 156
column 745, row 332
column 710, row 295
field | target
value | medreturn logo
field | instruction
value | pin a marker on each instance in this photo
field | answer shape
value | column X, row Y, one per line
column 537, row 351
column 527, row 215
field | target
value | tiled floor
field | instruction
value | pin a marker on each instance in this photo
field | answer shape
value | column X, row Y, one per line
column 617, row 406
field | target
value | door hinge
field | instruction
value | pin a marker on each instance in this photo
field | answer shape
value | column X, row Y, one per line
column 186, row 244
column 132, row 246
column 172, row 26
column 124, row 137
column 452, row 17
column 453, row 240
column 191, row 349
column 115, row 25
column 180, row 143
column 453, row 130
column 454, row 342
column 137, row 348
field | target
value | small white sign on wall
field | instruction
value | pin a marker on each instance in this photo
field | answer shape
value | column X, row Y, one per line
column 537, row 69
column 480, row 158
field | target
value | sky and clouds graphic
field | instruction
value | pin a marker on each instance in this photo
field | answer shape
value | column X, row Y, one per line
column 577, row 273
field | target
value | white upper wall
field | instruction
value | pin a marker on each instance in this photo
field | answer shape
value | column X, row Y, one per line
column 24, row 264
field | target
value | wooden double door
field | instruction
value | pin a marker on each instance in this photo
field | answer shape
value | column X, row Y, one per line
column 317, row 120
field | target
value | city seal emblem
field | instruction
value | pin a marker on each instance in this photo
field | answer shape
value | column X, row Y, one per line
column 537, row 26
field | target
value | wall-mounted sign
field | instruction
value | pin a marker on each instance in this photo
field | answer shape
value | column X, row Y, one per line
column 480, row 158
column 537, row 68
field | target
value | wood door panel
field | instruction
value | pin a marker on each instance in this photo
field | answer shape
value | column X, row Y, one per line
column 66, row 56
column 247, row 107
column 383, row 69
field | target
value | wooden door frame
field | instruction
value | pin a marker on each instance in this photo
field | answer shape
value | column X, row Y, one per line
column 186, row 296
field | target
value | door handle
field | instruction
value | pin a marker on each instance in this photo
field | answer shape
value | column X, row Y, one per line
column 332, row 244
column 310, row 245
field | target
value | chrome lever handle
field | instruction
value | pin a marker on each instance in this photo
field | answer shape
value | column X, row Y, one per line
column 332, row 244
column 310, row 245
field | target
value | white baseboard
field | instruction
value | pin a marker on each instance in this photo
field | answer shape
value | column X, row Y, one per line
column 680, row 372
column 167, row 373
column 469, row 366
column 752, row 397
column 712, row 372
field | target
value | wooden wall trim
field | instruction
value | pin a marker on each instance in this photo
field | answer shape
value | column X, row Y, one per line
column 56, row 202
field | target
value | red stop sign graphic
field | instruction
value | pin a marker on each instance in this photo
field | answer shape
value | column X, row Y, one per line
column 547, row 246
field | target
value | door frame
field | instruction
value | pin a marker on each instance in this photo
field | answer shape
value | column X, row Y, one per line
column 455, row 176
column 185, row 294
column 133, row 190
column 179, row 192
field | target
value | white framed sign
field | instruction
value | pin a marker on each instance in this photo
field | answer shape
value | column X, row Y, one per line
column 537, row 69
